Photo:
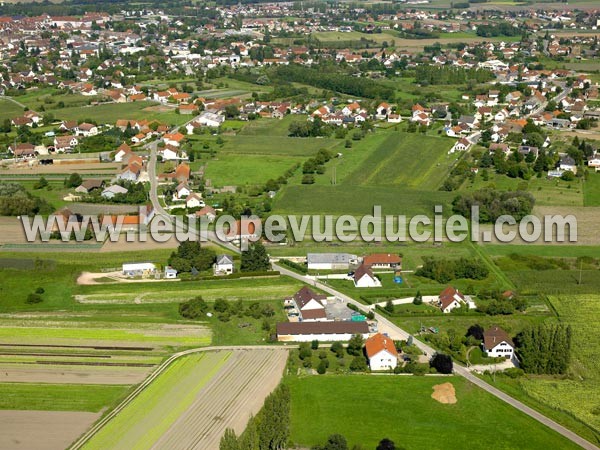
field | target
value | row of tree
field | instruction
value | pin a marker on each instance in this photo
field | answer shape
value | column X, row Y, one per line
column 268, row 430
column 435, row 75
column 544, row 348
column 444, row 270
column 493, row 204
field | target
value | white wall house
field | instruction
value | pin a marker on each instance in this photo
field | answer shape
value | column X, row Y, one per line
column 381, row 352
column 224, row 265
column 497, row 343
column 364, row 278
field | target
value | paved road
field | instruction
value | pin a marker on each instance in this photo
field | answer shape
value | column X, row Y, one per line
column 396, row 332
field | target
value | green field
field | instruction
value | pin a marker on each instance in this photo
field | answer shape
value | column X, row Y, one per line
column 401, row 409
column 8, row 110
column 151, row 413
column 59, row 397
column 109, row 113
column 591, row 190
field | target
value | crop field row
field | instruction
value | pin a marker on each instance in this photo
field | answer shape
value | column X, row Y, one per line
column 151, row 414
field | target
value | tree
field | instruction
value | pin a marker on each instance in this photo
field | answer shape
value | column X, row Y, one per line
column 386, row 444
column 322, row 367
column 193, row 308
column 34, row 298
column 314, row 344
column 190, row 255
column 544, row 348
column 41, row 183
column 389, row 307
column 359, row 364
column 338, row 349
column 334, row 442
column 74, row 180
column 355, row 345
column 418, row 300
column 475, row 331
column 229, row 441
column 305, row 351
column 255, row 259
column 441, row 362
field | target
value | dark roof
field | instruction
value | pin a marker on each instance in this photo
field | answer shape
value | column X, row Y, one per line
column 494, row 336
column 362, row 271
column 447, row 296
column 305, row 295
column 298, row 328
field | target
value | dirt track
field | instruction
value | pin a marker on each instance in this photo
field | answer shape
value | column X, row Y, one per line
column 44, row 430
column 228, row 400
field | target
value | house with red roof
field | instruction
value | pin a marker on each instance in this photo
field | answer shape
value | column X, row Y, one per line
column 450, row 299
column 309, row 305
column 381, row 352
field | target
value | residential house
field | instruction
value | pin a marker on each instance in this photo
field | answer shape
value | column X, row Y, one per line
column 363, row 277
column 381, row 352
column 113, row 190
column 450, row 299
column 181, row 191
column 567, row 163
column 497, row 343
column 194, row 200
column 309, row 305
column 461, row 145
column 173, row 139
column 88, row 186
column 223, row 265
column 207, row 212
column 244, row 229
column 86, row 129
column 64, row 144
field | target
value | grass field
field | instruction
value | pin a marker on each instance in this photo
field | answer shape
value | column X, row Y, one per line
column 151, row 414
column 59, row 397
column 401, row 409
column 591, row 190
column 9, row 110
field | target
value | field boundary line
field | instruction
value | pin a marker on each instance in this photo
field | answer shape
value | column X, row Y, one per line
column 79, row 443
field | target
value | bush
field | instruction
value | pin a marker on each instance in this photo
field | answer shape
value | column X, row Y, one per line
column 305, row 351
column 338, row 349
column 295, row 266
column 33, row 299
column 359, row 364
column 442, row 363
column 322, row 367
column 314, row 344
column 193, row 308
column 40, row 290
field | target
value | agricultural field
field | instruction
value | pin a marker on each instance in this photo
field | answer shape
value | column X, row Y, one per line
column 179, row 408
column 591, row 190
column 402, row 409
column 9, row 110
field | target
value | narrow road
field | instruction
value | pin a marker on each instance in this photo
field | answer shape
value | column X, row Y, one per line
column 396, row 332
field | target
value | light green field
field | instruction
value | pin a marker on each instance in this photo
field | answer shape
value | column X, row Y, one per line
column 270, row 127
column 151, row 413
column 59, row 397
column 242, row 170
column 109, row 113
column 591, row 190
column 274, row 145
column 402, row 409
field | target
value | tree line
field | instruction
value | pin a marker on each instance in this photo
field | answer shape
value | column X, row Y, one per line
column 444, row 270
column 544, row 348
column 268, row 430
column 335, row 81
column 493, row 204
column 427, row 74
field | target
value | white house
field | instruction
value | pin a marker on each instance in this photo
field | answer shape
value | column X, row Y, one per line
column 181, row 191
column 170, row 273
column 113, row 190
column 461, row 145
column 143, row 269
column 209, row 119
column 364, row 278
column 309, row 305
column 194, row 201
column 567, row 163
column 497, row 343
column 450, row 299
column 224, row 265
column 381, row 352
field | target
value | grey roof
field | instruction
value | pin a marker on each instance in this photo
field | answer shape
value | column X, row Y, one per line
column 329, row 258
column 116, row 189
column 300, row 328
column 224, row 259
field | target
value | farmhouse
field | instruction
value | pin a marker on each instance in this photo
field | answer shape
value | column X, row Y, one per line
column 381, row 352
column 497, row 343
column 383, row 261
column 364, row 278
column 450, row 299
column 321, row 331
column 310, row 306
column 142, row 269
column 224, row 265
column 89, row 185
column 330, row 261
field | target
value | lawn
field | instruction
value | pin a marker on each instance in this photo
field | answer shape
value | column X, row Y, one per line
column 247, row 170
column 151, row 413
column 59, row 397
column 270, row 127
column 591, row 190
column 53, row 193
column 8, row 110
column 401, row 409
column 275, row 145
column 110, row 112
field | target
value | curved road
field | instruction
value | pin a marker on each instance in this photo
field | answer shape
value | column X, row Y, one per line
column 394, row 331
